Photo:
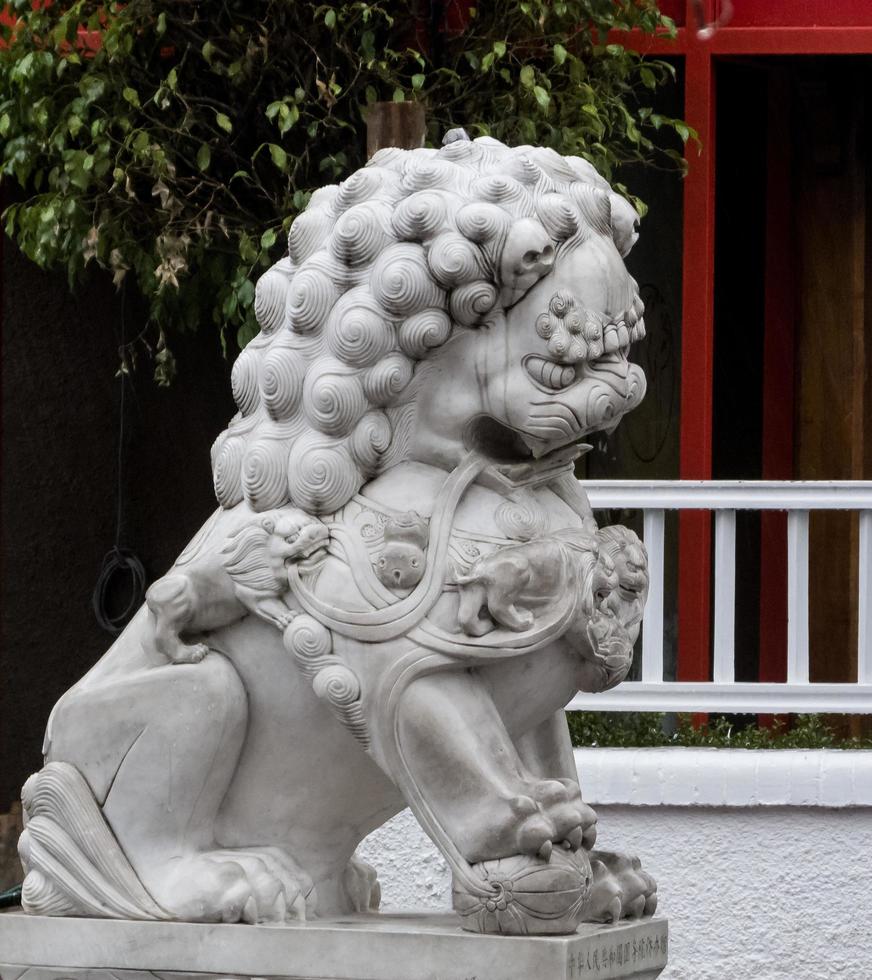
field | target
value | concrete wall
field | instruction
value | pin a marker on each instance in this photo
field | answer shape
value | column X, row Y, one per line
column 752, row 890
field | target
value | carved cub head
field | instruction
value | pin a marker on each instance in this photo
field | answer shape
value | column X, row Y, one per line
column 401, row 564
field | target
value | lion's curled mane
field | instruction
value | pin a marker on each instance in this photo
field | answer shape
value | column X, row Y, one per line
column 381, row 269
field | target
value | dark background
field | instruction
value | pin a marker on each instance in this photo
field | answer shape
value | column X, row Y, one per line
column 60, row 434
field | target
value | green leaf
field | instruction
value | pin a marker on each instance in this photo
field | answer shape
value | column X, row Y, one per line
column 161, row 24
column 682, row 130
column 499, row 48
column 130, row 95
column 527, row 76
column 418, row 82
column 330, row 19
column 224, row 122
column 268, row 238
column 246, row 333
column 91, row 87
column 559, row 54
column 542, row 97
column 649, row 80
column 279, row 157
column 399, row 95
column 245, row 292
column 204, row 157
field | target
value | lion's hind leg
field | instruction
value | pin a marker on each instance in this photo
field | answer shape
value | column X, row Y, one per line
column 172, row 603
column 473, row 599
column 511, row 579
column 506, row 613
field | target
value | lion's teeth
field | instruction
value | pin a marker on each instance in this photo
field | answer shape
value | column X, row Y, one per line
column 550, row 373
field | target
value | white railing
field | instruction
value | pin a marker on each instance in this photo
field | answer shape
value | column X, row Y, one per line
column 723, row 693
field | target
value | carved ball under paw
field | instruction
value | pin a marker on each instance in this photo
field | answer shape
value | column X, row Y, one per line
column 531, row 896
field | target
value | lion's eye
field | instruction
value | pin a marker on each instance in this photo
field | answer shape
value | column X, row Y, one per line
column 381, row 563
column 414, row 563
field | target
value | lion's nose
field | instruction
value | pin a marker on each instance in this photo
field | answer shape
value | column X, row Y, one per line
column 397, row 574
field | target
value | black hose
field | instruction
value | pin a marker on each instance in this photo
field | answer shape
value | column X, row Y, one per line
column 10, row 898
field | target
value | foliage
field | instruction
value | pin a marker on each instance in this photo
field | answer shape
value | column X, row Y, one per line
column 631, row 730
column 173, row 141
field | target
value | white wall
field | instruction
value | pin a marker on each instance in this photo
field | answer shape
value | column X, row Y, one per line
column 752, row 890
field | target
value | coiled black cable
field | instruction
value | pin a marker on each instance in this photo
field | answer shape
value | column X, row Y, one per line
column 119, row 561
column 116, row 563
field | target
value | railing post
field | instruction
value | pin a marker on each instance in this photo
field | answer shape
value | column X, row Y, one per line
column 652, row 622
column 864, row 606
column 724, row 667
column 797, row 597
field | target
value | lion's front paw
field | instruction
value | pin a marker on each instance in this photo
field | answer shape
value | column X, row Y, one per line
column 621, row 889
column 188, row 653
column 550, row 813
column 284, row 619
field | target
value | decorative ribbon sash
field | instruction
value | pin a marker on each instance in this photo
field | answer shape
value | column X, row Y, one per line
column 387, row 622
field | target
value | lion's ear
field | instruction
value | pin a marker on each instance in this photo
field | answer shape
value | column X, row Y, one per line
column 528, row 256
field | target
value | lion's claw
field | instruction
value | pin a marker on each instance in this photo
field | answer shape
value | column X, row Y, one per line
column 621, row 889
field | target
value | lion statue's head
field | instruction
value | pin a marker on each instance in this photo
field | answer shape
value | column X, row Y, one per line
column 473, row 296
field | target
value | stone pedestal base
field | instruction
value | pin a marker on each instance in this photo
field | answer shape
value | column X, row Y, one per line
column 359, row 947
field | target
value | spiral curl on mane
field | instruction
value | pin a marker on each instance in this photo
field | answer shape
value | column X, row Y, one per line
column 424, row 331
column 333, row 398
column 244, row 381
column 381, row 269
column 321, row 473
column 281, row 381
column 359, row 331
column 263, row 474
column 271, row 297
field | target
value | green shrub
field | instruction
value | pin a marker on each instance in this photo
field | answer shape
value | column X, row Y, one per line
column 174, row 143
column 643, row 729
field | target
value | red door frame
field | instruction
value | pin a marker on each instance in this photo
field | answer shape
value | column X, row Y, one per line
column 783, row 27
